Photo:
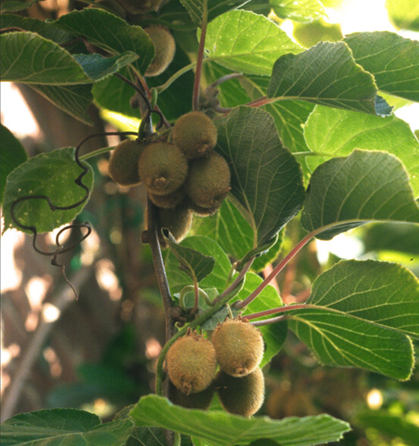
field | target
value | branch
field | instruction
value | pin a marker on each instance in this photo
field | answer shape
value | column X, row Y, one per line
column 198, row 72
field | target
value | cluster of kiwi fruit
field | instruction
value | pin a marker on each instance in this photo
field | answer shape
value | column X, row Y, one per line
column 237, row 347
column 182, row 177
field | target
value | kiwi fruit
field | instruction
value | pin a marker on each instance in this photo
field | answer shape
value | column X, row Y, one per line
column 191, row 363
column 178, row 221
column 140, row 6
column 241, row 396
column 200, row 211
column 195, row 134
column 123, row 163
column 201, row 400
column 164, row 49
column 113, row 6
column 239, row 346
column 162, row 168
column 208, row 181
column 168, row 201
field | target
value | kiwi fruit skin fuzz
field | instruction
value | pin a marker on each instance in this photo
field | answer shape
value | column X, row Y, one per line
column 191, row 363
column 178, row 221
column 164, row 48
column 162, row 168
column 208, row 181
column 201, row 400
column 123, row 163
column 195, row 134
column 241, row 396
column 168, row 201
column 140, row 6
column 239, row 347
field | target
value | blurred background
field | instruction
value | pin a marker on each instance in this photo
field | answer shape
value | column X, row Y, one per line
column 100, row 353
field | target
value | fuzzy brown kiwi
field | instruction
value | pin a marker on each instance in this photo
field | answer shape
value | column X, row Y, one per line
column 123, row 163
column 239, row 347
column 162, row 168
column 169, row 201
column 200, row 211
column 178, row 221
column 241, row 396
column 191, row 363
column 201, row 400
column 195, row 134
column 164, row 49
column 140, row 6
column 208, row 181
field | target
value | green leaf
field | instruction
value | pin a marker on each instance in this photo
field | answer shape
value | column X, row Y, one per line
column 362, row 187
column 195, row 8
column 246, row 42
column 299, row 11
column 73, row 99
column 404, row 13
column 266, row 179
column 234, row 234
column 194, row 264
column 13, row 155
column 384, row 293
column 222, row 429
column 217, row 279
column 332, row 132
column 32, row 59
column 339, row 339
column 388, row 424
column 326, row 74
column 274, row 335
column 65, row 427
column 392, row 59
column 17, row 5
column 110, row 33
column 52, row 174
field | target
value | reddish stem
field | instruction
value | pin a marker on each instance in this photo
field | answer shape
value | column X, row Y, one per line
column 198, row 72
column 275, row 311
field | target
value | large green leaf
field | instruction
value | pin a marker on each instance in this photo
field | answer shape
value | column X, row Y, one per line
column 223, row 429
column 13, row 155
column 326, row 74
column 364, row 186
column 266, row 179
column 246, row 42
column 392, row 59
column 234, row 234
column 298, row 10
column 331, row 132
column 195, row 8
column 52, row 174
column 17, row 5
column 32, row 59
column 109, row 33
column 384, row 293
column 218, row 278
column 339, row 339
column 404, row 13
column 64, row 427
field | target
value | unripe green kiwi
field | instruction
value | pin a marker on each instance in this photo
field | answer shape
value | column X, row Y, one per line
column 140, row 6
column 191, row 363
column 195, row 134
column 164, row 49
column 163, row 168
column 201, row 400
column 241, row 396
column 123, row 163
column 208, row 181
column 239, row 347
column 178, row 221
column 168, row 201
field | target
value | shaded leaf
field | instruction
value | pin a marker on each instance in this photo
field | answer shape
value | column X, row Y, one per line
column 246, row 42
column 16, row 5
column 266, row 179
column 392, row 59
column 51, row 174
column 13, row 155
column 364, row 186
column 217, row 279
column 331, row 133
column 223, row 429
column 63, row 426
column 404, row 13
column 299, row 11
column 193, row 263
column 326, row 74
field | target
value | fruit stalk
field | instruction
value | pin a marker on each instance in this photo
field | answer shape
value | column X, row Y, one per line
column 195, row 101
